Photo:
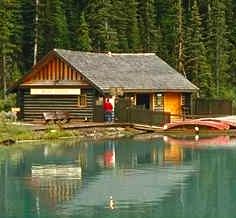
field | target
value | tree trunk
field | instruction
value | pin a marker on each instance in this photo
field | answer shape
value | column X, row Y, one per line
column 180, row 64
column 36, row 31
column 4, row 77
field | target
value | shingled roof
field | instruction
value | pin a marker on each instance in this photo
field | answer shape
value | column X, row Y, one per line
column 142, row 71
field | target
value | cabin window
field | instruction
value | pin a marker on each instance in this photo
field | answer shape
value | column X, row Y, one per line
column 159, row 102
column 186, row 103
column 82, row 100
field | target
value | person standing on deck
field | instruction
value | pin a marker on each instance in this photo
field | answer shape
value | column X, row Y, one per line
column 107, row 106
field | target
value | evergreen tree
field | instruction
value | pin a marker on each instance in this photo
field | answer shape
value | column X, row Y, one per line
column 10, row 38
column 132, row 26
column 73, row 11
column 120, row 21
column 217, row 47
column 83, row 39
column 180, row 39
column 28, row 15
column 126, row 24
column 148, row 30
column 102, row 33
column 166, row 11
column 230, row 19
column 54, row 29
column 196, row 65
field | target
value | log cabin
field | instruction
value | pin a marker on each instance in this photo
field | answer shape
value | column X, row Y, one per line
column 76, row 82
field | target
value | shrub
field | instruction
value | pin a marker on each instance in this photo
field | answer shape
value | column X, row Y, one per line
column 7, row 104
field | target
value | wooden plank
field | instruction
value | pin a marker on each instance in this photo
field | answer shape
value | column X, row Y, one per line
column 46, row 72
column 69, row 74
column 61, row 70
column 57, row 62
column 54, row 69
column 73, row 76
column 49, row 72
column 66, row 72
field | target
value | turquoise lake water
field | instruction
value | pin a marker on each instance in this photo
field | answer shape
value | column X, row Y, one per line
column 160, row 177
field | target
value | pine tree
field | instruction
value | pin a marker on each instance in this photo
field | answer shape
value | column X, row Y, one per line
column 120, row 20
column 73, row 11
column 10, row 36
column 28, row 15
column 148, row 30
column 132, row 26
column 180, row 40
column 54, row 30
column 83, row 39
column 166, row 11
column 230, row 19
column 196, row 65
column 217, row 46
column 102, row 33
column 126, row 25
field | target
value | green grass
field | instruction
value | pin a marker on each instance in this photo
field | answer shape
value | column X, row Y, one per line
column 15, row 132
column 19, row 132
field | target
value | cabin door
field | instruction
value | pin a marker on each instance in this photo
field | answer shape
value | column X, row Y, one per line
column 143, row 99
column 172, row 104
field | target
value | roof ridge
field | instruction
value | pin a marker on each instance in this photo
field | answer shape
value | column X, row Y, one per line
column 105, row 53
column 148, row 53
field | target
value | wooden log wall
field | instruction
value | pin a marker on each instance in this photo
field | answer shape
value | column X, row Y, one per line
column 34, row 105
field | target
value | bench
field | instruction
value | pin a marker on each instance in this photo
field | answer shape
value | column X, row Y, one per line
column 54, row 116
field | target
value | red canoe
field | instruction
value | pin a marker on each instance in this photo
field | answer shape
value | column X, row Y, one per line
column 206, row 124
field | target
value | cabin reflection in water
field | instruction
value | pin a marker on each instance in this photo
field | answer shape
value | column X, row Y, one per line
column 141, row 155
column 62, row 182
column 62, row 173
column 57, row 183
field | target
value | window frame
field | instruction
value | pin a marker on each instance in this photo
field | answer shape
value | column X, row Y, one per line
column 82, row 101
column 159, row 102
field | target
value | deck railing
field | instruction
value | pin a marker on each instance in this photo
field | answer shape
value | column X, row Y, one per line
column 142, row 116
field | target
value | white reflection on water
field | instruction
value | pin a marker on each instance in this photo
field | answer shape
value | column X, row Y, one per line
column 52, row 170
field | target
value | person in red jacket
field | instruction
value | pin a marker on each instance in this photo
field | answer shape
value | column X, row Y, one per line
column 107, row 106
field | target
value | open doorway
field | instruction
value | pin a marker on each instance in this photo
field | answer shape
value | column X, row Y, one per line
column 144, row 100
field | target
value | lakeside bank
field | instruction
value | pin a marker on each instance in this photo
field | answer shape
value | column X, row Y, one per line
column 15, row 132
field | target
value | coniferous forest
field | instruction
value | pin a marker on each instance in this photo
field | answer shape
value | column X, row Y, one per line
column 196, row 37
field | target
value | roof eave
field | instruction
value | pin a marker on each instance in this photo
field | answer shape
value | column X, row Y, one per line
column 125, row 90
